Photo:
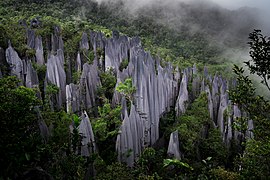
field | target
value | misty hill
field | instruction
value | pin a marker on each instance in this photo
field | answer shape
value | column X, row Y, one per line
column 184, row 25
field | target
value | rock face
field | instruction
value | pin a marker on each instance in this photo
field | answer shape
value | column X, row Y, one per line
column 56, row 40
column 88, row 140
column 72, row 98
column 182, row 100
column 31, row 80
column 31, row 38
column 158, row 90
column 173, row 148
column 14, row 62
column 129, row 143
column 56, row 75
column 39, row 50
column 116, row 50
column 89, row 83
column 84, row 42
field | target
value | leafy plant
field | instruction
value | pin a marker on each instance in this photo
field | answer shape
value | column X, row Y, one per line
column 176, row 162
column 126, row 88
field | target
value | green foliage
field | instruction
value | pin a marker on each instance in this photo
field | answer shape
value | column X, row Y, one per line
column 19, row 131
column 191, row 124
column 177, row 163
column 259, row 52
column 223, row 174
column 123, row 64
column 108, row 81
column 150, row 163
column 106, row 128
column 108, row 123
column 50, row 91
column 255, row 159
column 115, row 171
column 126, row 88
column 59, row 156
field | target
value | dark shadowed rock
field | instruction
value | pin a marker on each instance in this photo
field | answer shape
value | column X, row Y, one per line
column 88, row 141
column 31, row 38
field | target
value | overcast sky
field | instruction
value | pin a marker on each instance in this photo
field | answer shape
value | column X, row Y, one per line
column 234, row 4
column 231, row 4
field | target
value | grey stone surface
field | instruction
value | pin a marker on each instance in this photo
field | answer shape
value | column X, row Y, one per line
column 56, row 40
column 39, row 50
column 84, row 42
column 88, row 141
column 78, row 63
column 14, row 62
column 116, row 50
column 129, row 141
column 31, row 80
column 72, row 98
column 56, row 75
column 89, row 83
column 182, row 100
column 221, row 110
column 31, row 38
column 173, row 148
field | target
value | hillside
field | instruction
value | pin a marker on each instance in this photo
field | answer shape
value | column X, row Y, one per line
column 99, row 91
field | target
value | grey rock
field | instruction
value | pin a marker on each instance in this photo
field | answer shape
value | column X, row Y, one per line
column 173, row 148
column 215, row 97
column 31, row 38
column 23, row 23
column 56, row 75
column 72, row 98
column 88, row 141
column 249, row 132
column 35, row 23
column 31, row 77
column 14, row 62
column 182, row 100
column 56, row 40
column 78, row 63
column 84, row 42
column 89, row 83
column 39, row 50
column 129, row 141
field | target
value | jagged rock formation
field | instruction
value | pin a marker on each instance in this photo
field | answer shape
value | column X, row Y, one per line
column 88, row 85
column 182, row 100
column 129, row 143
column 56, row 75
column 173, row 148
column 31, row 77
column 72, row 98
column 158, row 89
column 15, row 63
column 88, row 140
column 39, row 50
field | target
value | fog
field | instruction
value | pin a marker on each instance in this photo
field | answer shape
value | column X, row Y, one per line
column 230, row 4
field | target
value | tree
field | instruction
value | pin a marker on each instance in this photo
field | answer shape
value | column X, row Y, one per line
column 19, row 131
column 260, row 54
column 256, row 157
